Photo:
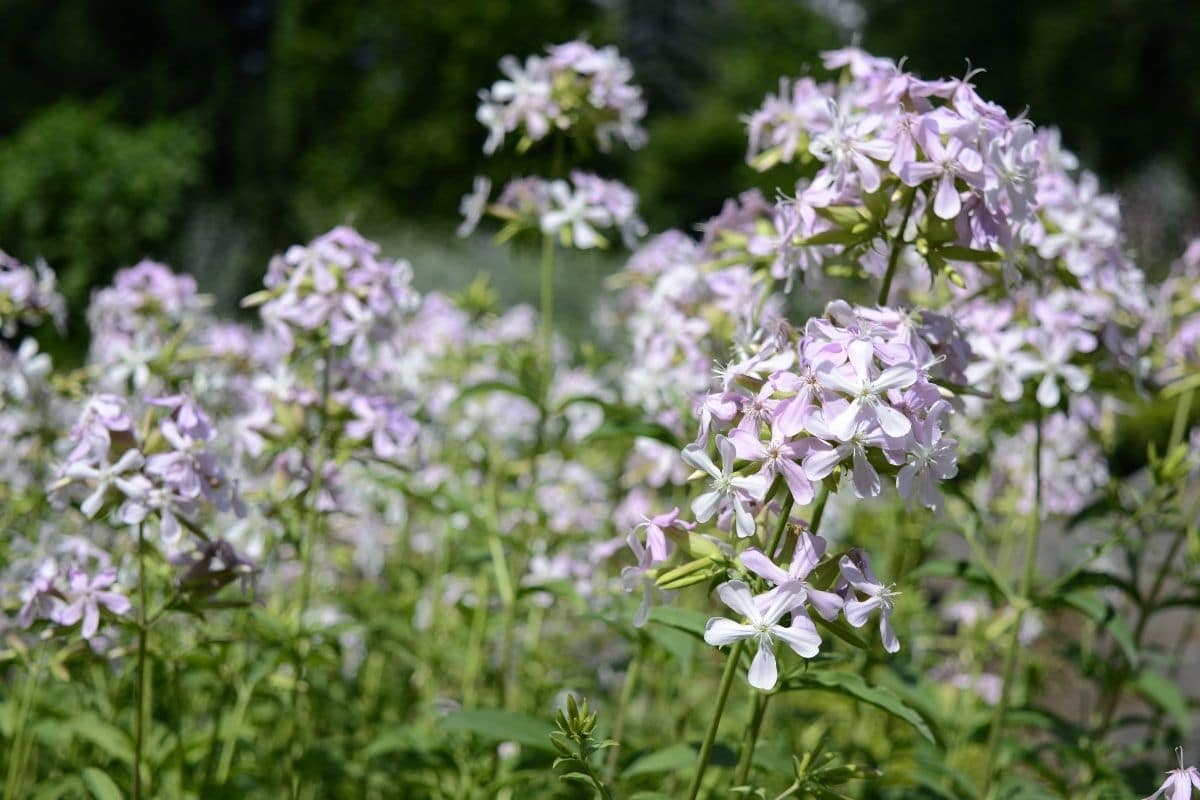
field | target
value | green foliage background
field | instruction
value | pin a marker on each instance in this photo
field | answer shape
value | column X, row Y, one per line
column 211, row 133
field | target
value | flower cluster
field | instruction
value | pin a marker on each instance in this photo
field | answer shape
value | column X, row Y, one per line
column 139, row 322
column 27, row 295
column 67, row 598
column 933, row 160
column 338, row 289
column 172, row 474
column 576, row 88
column 572, row 212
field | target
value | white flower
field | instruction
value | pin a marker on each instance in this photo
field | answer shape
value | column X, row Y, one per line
column 764, row 628
column 724, row 485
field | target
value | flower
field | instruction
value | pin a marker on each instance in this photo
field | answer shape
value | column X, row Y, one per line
column 85, row 596
column 763, row 627
column 724, row 485
column 1179, row 781
column 809, row 551
column 857, row 578
column 866, row 392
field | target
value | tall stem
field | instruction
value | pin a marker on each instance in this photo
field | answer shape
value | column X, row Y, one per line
column 759, row 711
column 631, row 676
column 897, row 246
column 308, row 537
column 139, row 720
column 710, row 736
column 1010, row 659
column 547, row 292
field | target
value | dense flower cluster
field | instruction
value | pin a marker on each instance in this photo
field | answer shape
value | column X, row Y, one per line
column 575, row 87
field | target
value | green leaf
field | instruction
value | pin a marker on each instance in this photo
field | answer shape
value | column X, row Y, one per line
column 675, row 641
column 851, row 685
column 501, row 726
column 100, row 785
column 1091, row 606
column 685, row 619
column 104, row 735
column 678, row 757
column 1162, row 693
column 834, row 237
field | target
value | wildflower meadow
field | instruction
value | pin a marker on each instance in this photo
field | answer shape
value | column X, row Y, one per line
column 882, row 484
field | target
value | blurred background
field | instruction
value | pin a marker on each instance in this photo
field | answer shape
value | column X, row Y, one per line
column 211, row 133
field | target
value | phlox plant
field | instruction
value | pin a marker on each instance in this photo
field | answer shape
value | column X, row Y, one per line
column 883, row 486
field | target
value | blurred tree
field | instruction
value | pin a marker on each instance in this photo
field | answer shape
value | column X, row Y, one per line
column 87, row 194
column 1117, row 76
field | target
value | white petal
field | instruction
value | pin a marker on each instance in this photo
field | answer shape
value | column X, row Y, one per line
column 736, row 595
column 720, row 631
column 706, row 505
column 801, row 636
column 763, row 672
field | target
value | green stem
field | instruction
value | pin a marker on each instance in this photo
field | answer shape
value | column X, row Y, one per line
column 897, row 246
column 631, row 676
column 18, row 752
column 1010, row 659
column 308, row 537
column 1183, row 408
column 759, row 710
column 710, row 736
column 547, row 298
column 139, row 720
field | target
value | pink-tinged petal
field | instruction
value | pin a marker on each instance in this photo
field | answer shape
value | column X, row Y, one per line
column 853, row 575
column 833, row 379
column 91, row 620
column 947, row 203
column 846, row 422
column 801, row 636
column 970, row 160
column 930, row 497
column 705, row 506
column 763, row 672
column 892, row 421
column 720, row 632
column 1182, row 789
column 868, row 172
column 772, row 605
column 797, row 482
column 1165, row 785
column 860, row 354
column 736, row 595
column 890, row 643
column 696, row 458
column 859, row 611
column 914, row 173
column 758, row 563
column 901, row 376
column 809, row 551
column 905, row 481
column 819, row 464
column 747, row 445
column 790, row 416
column 866, row 479
column 116, row 603
column 1194, row 774
column 743, row 519
column 68, row 615
column 878, row 149
column 827, row 604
